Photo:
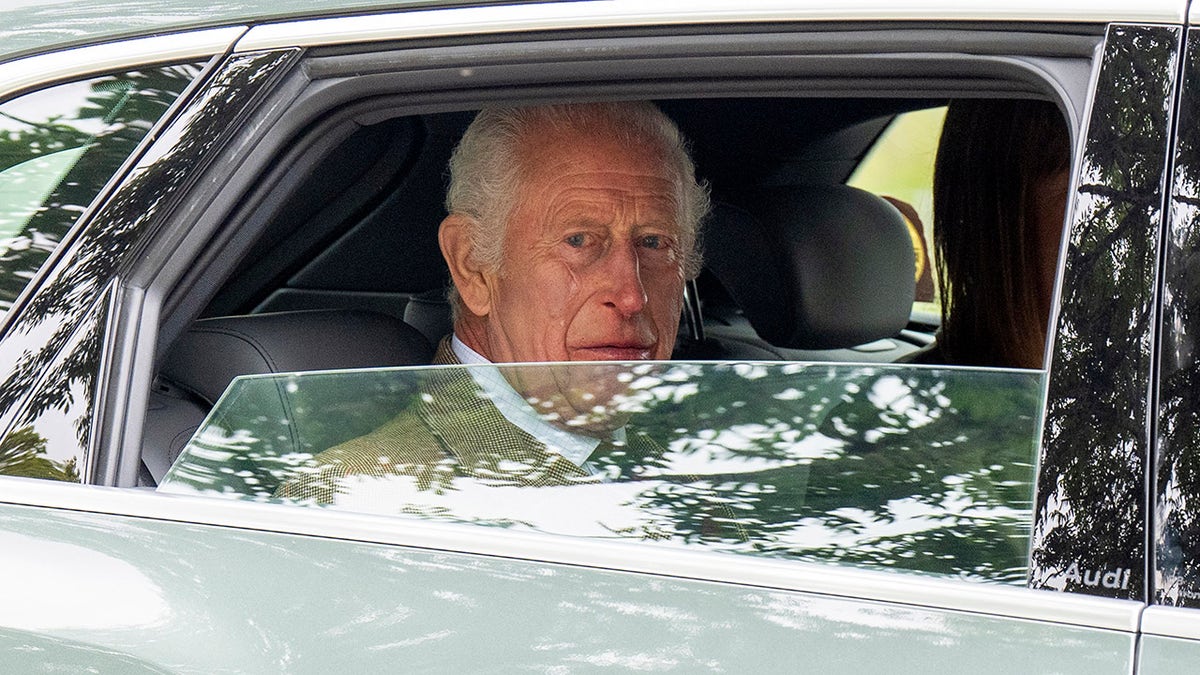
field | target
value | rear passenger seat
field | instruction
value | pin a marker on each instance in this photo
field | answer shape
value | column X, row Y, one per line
column 821, row 272
column 202, row 363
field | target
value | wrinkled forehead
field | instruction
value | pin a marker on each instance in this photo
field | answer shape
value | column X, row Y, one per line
column 548, row 151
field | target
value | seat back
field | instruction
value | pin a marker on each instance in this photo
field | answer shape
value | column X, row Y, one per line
column 814, row 267
column 202, row 363
column 429, row 312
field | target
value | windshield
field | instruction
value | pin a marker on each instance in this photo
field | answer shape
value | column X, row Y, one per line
column 892, row 466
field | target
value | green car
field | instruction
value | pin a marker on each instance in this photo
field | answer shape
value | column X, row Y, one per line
column 220, row 276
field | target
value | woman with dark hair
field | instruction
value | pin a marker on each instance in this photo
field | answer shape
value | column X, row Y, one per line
column 1000, row 188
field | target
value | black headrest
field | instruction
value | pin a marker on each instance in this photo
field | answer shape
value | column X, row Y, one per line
column 814, row 267
column 429, row 312
column 214, row 351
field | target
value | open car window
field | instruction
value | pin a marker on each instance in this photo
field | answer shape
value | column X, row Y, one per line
column 895, row 467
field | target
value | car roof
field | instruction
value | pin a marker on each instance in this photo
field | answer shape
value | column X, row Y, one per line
column 36, row 26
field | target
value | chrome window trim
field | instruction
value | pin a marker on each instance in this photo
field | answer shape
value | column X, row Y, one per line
column 899, row 588
column 1176, row 622
column 69, row 64
column 624, row 13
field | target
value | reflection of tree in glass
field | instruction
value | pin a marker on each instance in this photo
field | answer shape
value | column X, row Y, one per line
column 892, row 467
column 898, row 469
column 22, row 453
column 125, row 107
column 76, row 370
column 76, row 286
column 72, row 292
column 1090, row 513
column 1177, row 537
column 36, row 139
column 272, row 427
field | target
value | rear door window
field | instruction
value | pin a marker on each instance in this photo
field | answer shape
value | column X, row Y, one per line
column 887, row 467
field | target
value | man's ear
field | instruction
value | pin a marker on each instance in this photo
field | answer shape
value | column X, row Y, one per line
column 454, row 237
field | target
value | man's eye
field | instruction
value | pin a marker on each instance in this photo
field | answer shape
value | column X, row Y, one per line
column 653, row 241
column 576, row 240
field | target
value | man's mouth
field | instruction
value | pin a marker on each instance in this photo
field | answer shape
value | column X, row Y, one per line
column 627, row 351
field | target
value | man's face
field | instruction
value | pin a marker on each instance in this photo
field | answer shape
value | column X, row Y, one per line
column 592, row 265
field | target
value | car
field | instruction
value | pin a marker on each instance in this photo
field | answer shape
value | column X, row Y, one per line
column 219, row 258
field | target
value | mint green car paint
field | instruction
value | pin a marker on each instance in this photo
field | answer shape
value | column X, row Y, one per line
column 1160, row 655
column 30, row 26
column 25, row 652
column 171, row 597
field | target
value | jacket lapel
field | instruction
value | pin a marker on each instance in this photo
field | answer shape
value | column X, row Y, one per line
column 485, row 444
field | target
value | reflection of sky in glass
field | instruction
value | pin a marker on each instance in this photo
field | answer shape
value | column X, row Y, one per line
column 610, row 508
column 716, row 452
column 907, row 516
column 61, row 102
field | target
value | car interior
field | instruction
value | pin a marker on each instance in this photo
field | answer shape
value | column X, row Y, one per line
column 345, row 270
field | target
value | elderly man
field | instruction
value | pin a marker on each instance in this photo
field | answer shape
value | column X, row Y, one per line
column 571, row 231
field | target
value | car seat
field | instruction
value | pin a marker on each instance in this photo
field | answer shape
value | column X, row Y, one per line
column 819, row 272
column 210, row 354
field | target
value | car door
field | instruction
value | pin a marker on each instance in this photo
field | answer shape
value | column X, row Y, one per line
column 281, row 587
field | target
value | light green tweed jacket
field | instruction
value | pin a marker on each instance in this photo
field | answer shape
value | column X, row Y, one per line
column 450, row 431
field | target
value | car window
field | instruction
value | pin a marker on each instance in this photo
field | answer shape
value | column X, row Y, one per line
column 893, row 467
column 59, row 146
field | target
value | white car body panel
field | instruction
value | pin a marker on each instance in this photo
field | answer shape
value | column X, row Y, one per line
column 906, row 589
column 81, row 62
column 625, row 13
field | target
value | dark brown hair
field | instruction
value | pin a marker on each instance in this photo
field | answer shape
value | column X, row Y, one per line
column 991, row 155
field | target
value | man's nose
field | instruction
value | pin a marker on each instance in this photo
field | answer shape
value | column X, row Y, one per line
column 623, row 280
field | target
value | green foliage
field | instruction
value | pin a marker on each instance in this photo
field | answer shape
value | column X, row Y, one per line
column 22, row 453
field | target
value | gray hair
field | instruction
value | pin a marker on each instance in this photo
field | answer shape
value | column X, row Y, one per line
column 487, row 169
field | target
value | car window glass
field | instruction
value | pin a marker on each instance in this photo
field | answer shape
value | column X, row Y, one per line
column 50, row 437
column 59, row 146
column 894, row 467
